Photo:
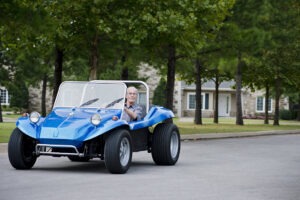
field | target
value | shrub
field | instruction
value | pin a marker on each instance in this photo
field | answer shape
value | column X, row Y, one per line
column 287, row 115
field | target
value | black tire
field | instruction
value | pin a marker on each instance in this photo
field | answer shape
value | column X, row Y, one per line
column 166, row 144
column 118, row 151
column 21, row 150
column 78, row 159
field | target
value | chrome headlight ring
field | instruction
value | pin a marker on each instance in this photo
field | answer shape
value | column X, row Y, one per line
column 34, row 117
column 96, row 119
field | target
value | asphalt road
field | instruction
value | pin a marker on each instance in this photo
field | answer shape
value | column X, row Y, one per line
column 256, row 168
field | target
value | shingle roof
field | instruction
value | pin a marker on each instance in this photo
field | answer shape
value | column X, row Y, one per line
column 210, row 85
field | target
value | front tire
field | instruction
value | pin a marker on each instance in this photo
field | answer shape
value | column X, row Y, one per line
column 118, row 151
column 21, row 150
column 166, row 144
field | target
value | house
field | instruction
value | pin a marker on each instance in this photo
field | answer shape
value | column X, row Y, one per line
column 253, row 103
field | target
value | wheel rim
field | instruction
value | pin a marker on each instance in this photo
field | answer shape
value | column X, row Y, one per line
column 124, row 151
column 174, row 144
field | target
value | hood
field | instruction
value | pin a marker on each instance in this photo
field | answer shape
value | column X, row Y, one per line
column 71, row 124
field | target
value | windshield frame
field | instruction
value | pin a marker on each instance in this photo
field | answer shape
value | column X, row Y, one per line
column 105, row 93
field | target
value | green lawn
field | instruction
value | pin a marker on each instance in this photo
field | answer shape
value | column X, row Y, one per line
column 5, row 131
column 227, row 125
column 188, row 127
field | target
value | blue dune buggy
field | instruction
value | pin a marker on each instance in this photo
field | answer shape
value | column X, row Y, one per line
column 81, row 127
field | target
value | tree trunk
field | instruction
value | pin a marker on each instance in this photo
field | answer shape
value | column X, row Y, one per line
column 57, row 72
column 94, row 58
column 238, row 79
column 1, row 118
column 125, row 71
column 267, row 104
column 277, row 99
column 217, row 84
column 170, row 77
column 198, row 111
column 44, row 89
column 298, row 111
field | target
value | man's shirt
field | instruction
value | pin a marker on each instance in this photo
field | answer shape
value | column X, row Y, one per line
column 136, row 109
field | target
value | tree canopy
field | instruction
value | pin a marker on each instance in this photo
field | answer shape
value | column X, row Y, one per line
column 51, row 41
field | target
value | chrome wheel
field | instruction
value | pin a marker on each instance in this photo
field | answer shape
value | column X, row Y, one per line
column 174, row 144
column 124, row 151
column 118, row 151
column 165, row 144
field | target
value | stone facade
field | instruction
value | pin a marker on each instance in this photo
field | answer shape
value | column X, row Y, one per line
column 35, row 99
column 151, row 76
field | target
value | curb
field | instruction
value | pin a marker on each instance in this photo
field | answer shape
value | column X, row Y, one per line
column 206, row 136
column 209, row 136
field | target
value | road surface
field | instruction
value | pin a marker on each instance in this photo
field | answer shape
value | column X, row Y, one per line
column 256, row 168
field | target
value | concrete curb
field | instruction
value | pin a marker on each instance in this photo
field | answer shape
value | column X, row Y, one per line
column 203, row 136
column 207, row 136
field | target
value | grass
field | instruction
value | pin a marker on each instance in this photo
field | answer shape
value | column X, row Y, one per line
column 11, row 116
column 226, row 125
column 5, row 130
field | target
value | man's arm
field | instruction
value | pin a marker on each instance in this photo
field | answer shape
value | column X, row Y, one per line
column 136, row 113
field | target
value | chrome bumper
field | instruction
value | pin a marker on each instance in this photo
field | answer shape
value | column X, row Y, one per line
column 57, row 150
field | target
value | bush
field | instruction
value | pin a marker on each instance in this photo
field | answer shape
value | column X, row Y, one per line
column 287, row 114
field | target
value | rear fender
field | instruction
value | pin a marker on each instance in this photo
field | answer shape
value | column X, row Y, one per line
column 156, row 115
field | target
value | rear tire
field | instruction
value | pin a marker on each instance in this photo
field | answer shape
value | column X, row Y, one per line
column 118, row 151
column 21, row 150
column 166, row 144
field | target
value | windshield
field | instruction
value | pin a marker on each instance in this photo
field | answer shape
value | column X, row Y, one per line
column 91, row 95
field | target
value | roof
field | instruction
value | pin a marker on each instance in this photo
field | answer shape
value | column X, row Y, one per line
column 210, row 85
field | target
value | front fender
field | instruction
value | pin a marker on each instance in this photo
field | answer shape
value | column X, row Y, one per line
column 28, row 128
column 105, row 127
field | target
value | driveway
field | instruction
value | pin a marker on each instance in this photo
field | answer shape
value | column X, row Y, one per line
column 255, row 168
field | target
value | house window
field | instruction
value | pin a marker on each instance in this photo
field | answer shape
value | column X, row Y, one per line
column 4, row 98
column 206, row 100
column 227, row 104
column 260, row 104
column 191, row 102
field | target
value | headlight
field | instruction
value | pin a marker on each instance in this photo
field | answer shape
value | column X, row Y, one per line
column 95, row 119
column 34, row 117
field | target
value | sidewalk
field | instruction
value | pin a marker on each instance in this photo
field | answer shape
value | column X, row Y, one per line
column 207, row 136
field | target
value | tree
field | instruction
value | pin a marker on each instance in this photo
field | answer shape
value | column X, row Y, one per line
column 180, row 29
column 159, row 97
column 286, row 52
column 243, row 36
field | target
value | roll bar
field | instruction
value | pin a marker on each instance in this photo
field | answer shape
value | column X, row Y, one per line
column 130, row 82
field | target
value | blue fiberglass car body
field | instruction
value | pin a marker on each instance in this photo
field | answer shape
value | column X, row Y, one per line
column 81, row 126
